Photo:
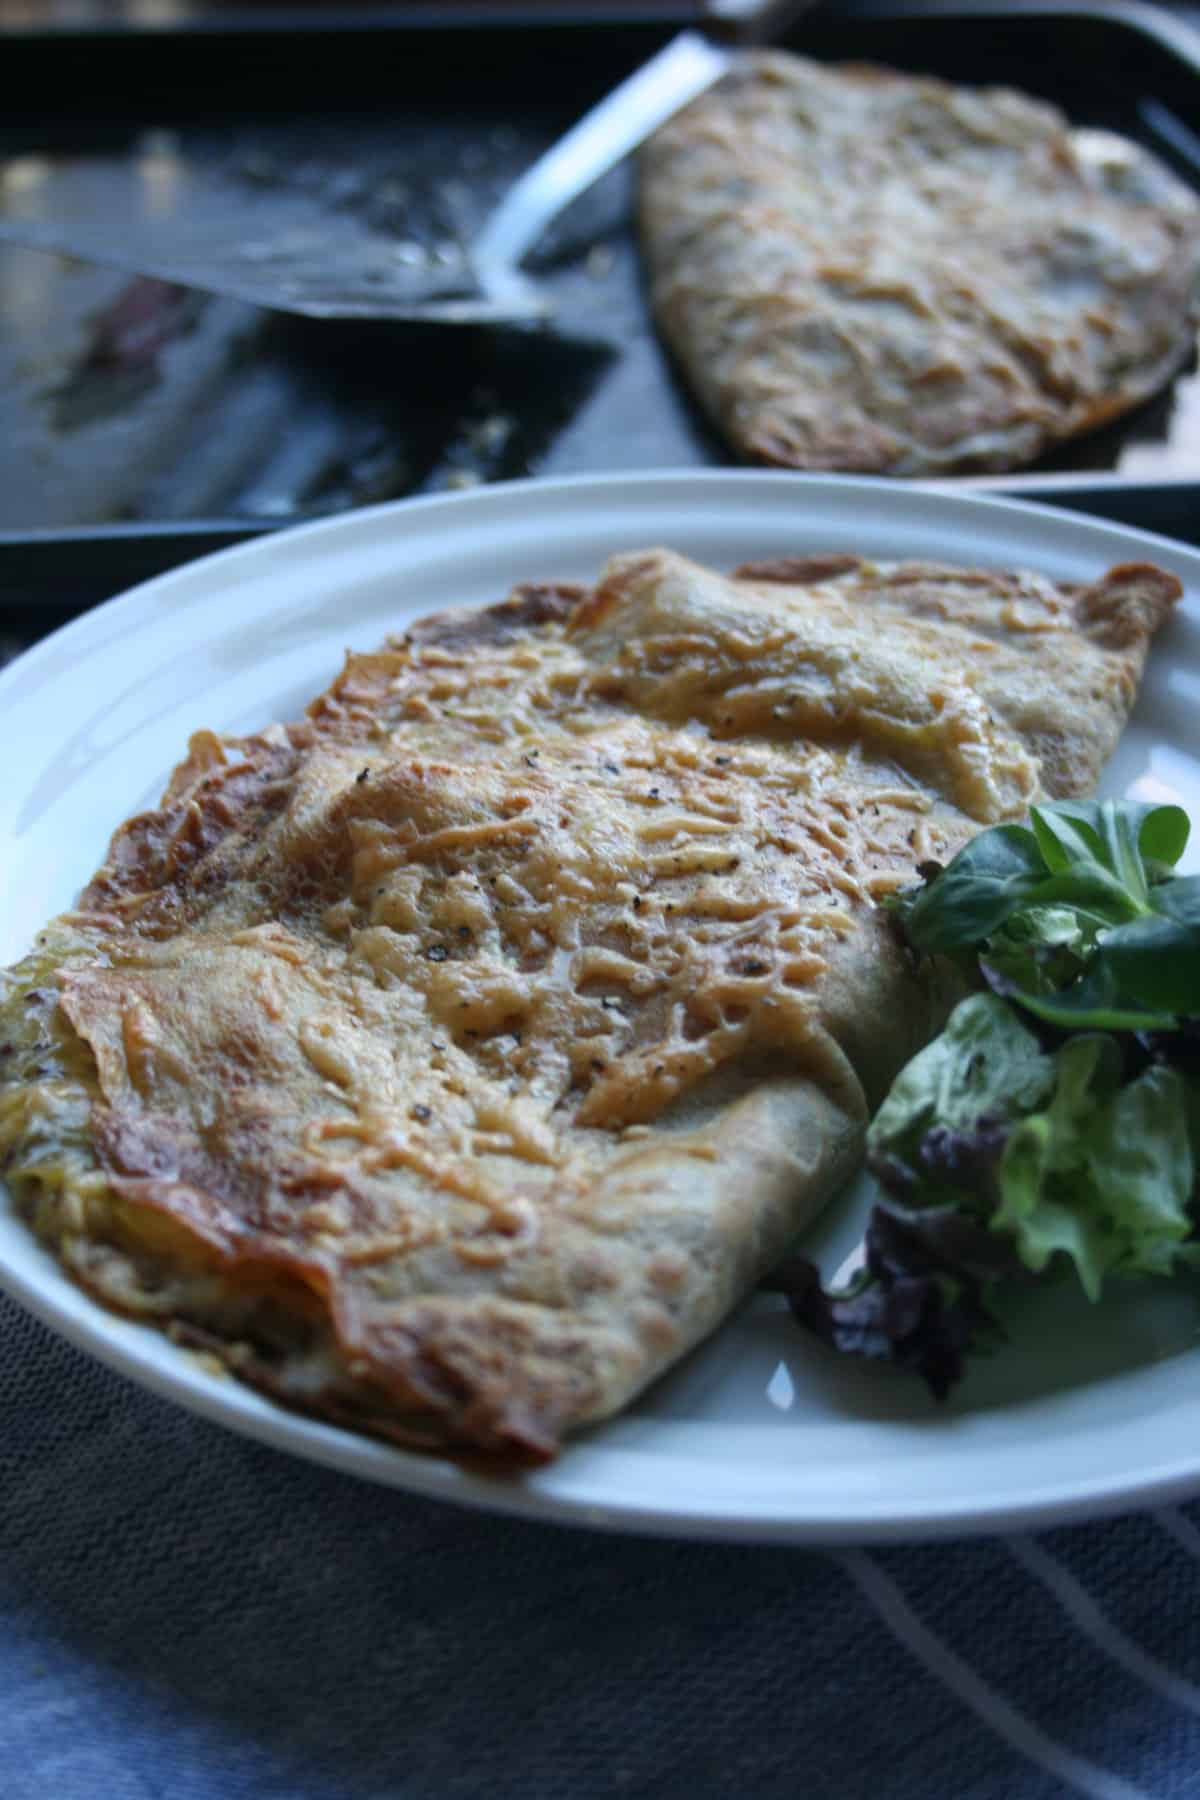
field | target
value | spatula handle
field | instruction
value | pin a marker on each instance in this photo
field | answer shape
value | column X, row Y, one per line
column 622, row 121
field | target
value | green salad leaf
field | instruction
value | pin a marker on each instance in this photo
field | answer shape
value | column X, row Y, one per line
column 985, row 1065
column 1054, row 1125
column 1077, row 917
column 1084, row 1162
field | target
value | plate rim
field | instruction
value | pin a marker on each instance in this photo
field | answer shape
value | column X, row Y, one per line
column 135, row 1351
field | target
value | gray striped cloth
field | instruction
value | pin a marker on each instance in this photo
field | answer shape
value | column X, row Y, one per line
column 189, row 1615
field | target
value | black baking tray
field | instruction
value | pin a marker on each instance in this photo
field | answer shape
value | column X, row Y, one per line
column 154, row 408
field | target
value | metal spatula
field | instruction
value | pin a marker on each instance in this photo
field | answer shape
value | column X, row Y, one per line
column 205, row 217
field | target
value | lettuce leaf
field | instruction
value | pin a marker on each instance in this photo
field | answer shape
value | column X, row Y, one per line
column 1054, row 1126
column 985, row 1065
column 1077, row 1160
column 998, row 1159
column 1077, row 917
column 1105, row 1174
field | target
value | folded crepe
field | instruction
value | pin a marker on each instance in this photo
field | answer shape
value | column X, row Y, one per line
column 449, row 1062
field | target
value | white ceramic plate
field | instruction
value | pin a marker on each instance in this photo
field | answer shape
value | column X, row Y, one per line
column 761, row 1434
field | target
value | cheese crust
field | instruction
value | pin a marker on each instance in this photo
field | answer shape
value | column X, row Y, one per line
column 449, row 1062
column 860, row 270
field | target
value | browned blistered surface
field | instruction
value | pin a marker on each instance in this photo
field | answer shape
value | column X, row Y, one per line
column 862, row 270
column 452, row 1060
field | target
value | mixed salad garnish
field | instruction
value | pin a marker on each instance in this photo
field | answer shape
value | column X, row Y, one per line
column 1054, row 1126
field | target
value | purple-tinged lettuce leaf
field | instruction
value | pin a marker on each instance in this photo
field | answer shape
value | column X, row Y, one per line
column 919, row 1302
